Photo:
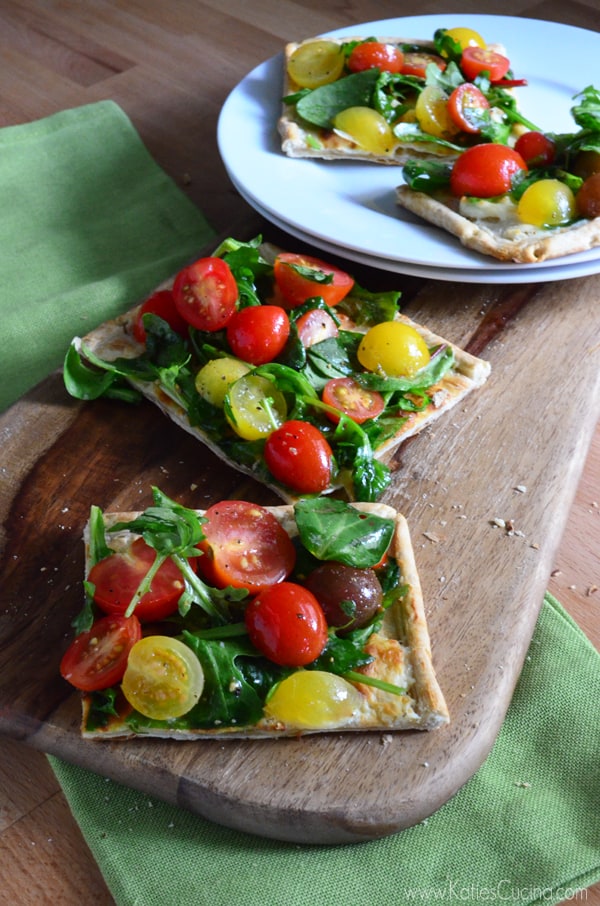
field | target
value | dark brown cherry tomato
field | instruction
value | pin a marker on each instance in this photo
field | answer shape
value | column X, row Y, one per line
column 287, row 624
column 316, row 325
column 97, row 658
column 588, row 197
column 466, row 105
column 475, row 60
column 484, row 171
column 160, row 303
column 244, row 546
column 376, row 55
column 536, row 149
column 349, row 596
column 258, row 333
column 302, row 277
column 416, row 63
column 299, row 456
column 206, row 293
column 357, row 402
column 586, row 164
column 116, row 579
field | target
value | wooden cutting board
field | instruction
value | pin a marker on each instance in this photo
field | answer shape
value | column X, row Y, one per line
column 486, row 492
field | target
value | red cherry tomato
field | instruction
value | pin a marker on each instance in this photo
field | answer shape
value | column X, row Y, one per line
column 302, row 277
column 244, row 546
column 536, row 149
column 206, row 293
column 475, row 60
column 314, row 326
column 97, row 658
column 375, row 55
column 258, row 333
column 347, row 395
column 298, row 456
column 117, row 577
column 287, row 624
column 416, row 63
column 484, row 171
column 466, row 105
column 160, row 303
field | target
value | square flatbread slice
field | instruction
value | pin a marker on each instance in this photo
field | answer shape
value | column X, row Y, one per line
column 401, row 652
column 492, row 227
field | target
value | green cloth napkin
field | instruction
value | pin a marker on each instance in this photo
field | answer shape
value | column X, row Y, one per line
column 89, row 225
column 525, row 829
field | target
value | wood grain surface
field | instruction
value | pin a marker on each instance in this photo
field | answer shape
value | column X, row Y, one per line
column 171, row 67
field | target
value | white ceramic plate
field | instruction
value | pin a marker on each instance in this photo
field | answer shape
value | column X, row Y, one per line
column 351, row 205
column 451, row 275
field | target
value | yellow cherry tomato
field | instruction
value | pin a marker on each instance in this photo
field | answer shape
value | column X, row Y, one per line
column 254, row 407
column 367, row 128
column 466, row 37
column 393, row 349
column 313, row 699
column 316, row 63
column 216, row 377
column 547, row 203
column 163, row 678
column 432, row 113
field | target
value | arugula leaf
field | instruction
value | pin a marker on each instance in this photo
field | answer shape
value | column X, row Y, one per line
column 322, row 105
column 427, row 176
column 366, row 308
column 332, row 529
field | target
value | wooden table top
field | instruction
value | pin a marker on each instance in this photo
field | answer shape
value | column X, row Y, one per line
column 171, row 66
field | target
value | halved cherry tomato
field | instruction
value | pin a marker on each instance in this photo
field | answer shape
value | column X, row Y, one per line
column 347, row 395
column 206, row 293
column 314, row 326
column 375, row 55
column 116, row 579
column 299, row 456
column 466, row 105
column 536, row 149
column 258, row 333
column 416, row 63
column 484, row 171
column 164, row 679
column 97, row 658
column 287, row 624
column 160, row 303
column 244, row 546
column 302, row 277
column 475, row 60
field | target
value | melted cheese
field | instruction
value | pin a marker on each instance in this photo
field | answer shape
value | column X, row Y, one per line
column 498, row 215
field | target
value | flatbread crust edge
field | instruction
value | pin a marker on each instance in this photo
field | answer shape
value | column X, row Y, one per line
column 301, row 140
column 113, row 339
column 402, row 650
column 530, row 249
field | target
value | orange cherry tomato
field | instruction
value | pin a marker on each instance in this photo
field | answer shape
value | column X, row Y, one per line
column 376, row 55
column 244, row 546
column 302, row 277
column 466, row 105
column 476, row 60
column 347, row 395
column 484, row 171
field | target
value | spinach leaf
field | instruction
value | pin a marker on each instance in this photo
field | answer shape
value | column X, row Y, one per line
column 427, row 176
column 322, row 105
column 366, row 308
column 332, row 529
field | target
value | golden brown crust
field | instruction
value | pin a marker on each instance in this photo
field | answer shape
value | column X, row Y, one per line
column 402, row 653
column 530, row 246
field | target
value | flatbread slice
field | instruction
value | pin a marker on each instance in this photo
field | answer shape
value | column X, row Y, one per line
column 400, row 648
column 492, row 227
column 114, row 339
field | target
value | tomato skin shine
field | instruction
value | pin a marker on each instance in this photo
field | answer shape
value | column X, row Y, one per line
column 258, row 333
column 313, row 699
column 547, row 203
column 376, row 55
column 316, row 63
column 287, row 624
column 485, row 171
column 299, row 456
